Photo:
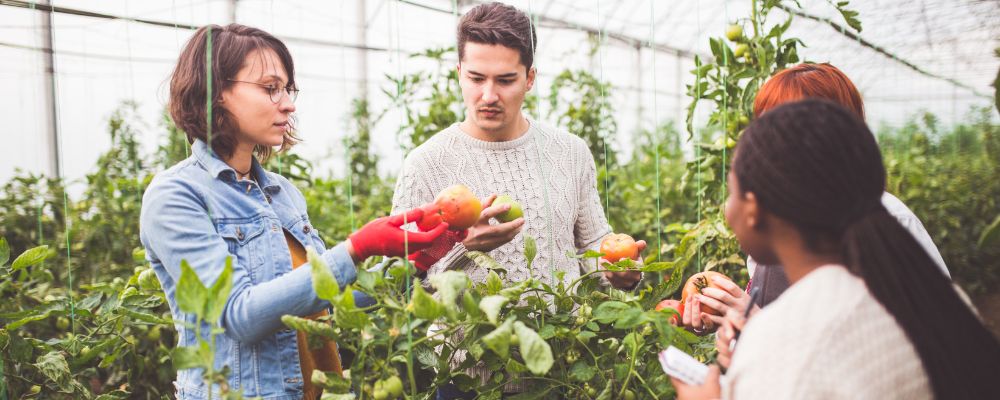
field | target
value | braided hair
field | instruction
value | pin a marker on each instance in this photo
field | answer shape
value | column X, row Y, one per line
column 816, row 165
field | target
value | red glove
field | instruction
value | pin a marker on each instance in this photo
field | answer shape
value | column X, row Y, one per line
column 424, row 259
column 383, row 236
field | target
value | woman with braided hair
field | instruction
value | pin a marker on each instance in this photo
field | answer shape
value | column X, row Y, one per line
column 823, row 81
column 872, row 316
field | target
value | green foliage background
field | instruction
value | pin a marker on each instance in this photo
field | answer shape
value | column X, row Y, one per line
column 105, row 329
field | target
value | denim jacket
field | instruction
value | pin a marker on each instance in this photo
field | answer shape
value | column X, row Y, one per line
column 197, row 211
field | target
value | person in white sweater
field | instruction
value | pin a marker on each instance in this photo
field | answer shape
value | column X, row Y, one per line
column 495, row 150
column 868, row 315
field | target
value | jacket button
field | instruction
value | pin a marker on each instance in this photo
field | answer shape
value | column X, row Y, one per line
column 306, row 229
column 239, row 234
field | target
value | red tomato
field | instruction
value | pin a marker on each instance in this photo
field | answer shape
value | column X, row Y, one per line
column 697, row 282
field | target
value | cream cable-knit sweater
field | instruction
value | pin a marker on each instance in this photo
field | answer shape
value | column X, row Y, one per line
column 550, row 172
column 826, row 337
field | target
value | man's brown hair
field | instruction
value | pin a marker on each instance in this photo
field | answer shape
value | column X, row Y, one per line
column 497, row 23
column 189, row 85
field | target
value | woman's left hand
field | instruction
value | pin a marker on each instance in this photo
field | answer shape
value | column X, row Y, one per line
column 708, row 390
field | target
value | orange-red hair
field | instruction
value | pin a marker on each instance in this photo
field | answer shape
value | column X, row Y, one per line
column 803, row 81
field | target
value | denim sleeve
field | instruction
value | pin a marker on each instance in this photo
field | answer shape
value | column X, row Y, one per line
column 176, row 226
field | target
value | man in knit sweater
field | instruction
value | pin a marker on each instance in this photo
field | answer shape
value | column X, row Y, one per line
column 498, row 150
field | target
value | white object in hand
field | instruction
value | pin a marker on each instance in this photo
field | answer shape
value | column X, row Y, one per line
column 680, row 365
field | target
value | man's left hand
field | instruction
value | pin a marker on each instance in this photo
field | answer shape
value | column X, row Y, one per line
column 627, row 279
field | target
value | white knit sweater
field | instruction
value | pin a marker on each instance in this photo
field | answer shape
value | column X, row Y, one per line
column 550, row 172
column 826, row 337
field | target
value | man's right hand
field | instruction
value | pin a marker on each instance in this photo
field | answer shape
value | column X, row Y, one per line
column 485, row 237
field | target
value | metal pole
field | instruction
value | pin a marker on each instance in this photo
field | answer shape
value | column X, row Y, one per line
column 232, row 11
column 51, row 107
column 362, row 33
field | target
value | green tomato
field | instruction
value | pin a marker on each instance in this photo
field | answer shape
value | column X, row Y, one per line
column 590, row 390
column 84, row 351
column 380, row 394
column 629, row 395
column 515, row 211
column 581, row 320
column 393, row 386
column 515, row 340
column 62, row 323
column 741, row 50
column 734, row 32
column 35, row 389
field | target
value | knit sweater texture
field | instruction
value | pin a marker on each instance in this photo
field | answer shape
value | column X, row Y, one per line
column 549, row 171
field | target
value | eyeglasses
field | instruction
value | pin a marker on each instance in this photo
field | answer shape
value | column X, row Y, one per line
column 274, row 91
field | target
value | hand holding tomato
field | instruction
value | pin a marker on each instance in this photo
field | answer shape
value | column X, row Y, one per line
column 725, row 296
column 697, row 314
column 616, row 247
column 485, row 237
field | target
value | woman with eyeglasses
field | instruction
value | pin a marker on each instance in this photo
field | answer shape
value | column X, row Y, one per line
column 220, row 204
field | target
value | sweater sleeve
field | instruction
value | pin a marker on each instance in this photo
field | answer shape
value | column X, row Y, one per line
column 591, row 225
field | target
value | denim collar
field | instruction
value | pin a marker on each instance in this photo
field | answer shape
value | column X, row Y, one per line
column 218, row 168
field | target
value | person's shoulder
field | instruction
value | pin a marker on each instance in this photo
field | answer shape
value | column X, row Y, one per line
column 181, row 176
column 823, row 298
column 561, row 137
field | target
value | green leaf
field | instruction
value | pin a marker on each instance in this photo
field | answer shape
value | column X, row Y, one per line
column 191, row 293
column 449, row 284
column 218, row 295
column 198, row 356
column 499, row 339
column 657, row 266
column 535, row 351
column 470, row 305
column 324, row 283
column 54, row 366
column 366, row 279
column 991, row 234
column 632, row 342
column 582, row 372
column 21, row 322
column 4, row 251
column 425, row 306
column 331, row 381
column 491, row 306
column 483, row 260
column 30, row 257
column 493, row 283
column 530, row 250
column 114, row 395
column 346, row 314
column 609, row 311
column 309, row 326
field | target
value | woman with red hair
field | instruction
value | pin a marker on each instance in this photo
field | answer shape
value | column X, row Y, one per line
column 803, row 81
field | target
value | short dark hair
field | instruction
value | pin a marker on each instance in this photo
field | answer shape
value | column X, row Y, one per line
column 189, row 84
column 497, row 23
